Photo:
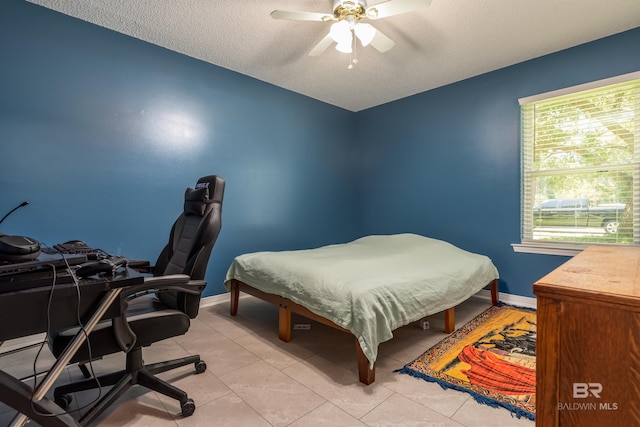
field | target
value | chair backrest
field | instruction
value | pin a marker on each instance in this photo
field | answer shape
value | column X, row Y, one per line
column 191, row 240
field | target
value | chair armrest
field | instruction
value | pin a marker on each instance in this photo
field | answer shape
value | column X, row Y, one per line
column 125, row 337
column 171, row 282
column 141, row 266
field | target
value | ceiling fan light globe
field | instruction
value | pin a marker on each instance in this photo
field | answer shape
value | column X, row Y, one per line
column 340, row 32
column 365, row 33
column 344, row 47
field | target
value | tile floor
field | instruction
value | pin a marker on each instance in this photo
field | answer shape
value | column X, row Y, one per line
column 254, row 379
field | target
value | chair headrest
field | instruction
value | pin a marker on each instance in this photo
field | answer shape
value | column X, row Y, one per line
column 209, row 189
column 214, row 184
column 195, row 201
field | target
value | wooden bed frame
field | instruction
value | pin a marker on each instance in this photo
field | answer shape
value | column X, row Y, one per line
column 366, row 374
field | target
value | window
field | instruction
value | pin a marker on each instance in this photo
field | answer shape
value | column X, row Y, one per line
column 581, row 167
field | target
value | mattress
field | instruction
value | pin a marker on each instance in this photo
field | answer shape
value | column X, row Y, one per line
column 372, row 285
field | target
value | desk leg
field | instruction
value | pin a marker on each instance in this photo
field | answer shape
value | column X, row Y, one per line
column 68, row 353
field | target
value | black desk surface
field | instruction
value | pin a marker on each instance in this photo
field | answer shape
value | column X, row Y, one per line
column 43, row 261
column 35, row 304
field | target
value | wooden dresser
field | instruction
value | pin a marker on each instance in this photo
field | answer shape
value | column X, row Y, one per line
column 588, row 349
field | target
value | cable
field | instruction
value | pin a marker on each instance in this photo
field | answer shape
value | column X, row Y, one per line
column 48, row 331
column 84, row 331
column 35, row 360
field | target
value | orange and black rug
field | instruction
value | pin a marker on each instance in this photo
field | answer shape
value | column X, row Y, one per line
column 493, row 357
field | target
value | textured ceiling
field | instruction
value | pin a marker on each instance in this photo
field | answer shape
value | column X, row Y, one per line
column 448, row 41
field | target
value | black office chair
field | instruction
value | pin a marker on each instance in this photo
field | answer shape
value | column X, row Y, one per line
column 157, row 310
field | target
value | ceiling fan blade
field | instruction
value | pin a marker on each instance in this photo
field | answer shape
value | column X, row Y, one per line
column 381, row 42
column 322, row 46
column 395, row 7
column 301, row 16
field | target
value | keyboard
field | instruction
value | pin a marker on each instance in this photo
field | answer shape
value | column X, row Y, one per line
column 75, row 247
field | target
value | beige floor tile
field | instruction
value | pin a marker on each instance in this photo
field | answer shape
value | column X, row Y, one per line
column 258, row 312
column 473, row 414
column 274, row 395
column 272, row 350
column 221, row 354
column 198, row 329
column 164, row 350
column 20, row 364
column 246, row 321
column 398, row 410
column 331, row 344
column 431, row 395
column 228, row 411
column 338, row 385
column 203, row 388
column 136, row 410
column 407, row 350
column 327, row 415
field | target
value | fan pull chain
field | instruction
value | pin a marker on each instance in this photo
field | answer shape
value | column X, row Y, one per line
column 352, row 59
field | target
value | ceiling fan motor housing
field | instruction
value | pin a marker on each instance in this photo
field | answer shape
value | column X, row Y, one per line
column 344, row 8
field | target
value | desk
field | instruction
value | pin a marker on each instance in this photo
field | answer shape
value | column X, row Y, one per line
column 24, row 312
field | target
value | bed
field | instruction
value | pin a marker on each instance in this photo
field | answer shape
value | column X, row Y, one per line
column 368, row 287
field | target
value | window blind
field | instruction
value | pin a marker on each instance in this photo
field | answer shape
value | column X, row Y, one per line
column 581, row 166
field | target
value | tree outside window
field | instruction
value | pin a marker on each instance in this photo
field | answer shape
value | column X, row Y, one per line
column 581, row 166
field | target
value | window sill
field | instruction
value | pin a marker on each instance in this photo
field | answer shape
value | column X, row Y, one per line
column 536, row 248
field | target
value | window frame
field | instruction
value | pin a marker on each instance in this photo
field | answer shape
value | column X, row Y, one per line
column 527, row 244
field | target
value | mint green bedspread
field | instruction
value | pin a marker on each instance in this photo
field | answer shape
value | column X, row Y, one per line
column 372, row 285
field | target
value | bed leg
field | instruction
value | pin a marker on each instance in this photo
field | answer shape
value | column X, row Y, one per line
column 449, row 320
column 367, row 375
column 494, row 292
column 284, row 323
column 235, row 297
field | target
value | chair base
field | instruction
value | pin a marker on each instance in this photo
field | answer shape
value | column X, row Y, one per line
column 136, row 373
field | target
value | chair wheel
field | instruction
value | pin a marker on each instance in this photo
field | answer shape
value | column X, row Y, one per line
column 63, row 401
column 200, row 367
column 188, row 408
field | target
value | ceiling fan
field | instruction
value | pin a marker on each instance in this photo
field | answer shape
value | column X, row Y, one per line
column 349, row 14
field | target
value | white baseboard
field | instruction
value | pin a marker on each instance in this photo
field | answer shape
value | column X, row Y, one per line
column 216, row 299
column 516, row 300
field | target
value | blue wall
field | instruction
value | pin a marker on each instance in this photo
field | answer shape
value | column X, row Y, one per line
column 102, row 133
column 446, row 163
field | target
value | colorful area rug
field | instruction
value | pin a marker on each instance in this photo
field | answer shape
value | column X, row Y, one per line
column 493, row 357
